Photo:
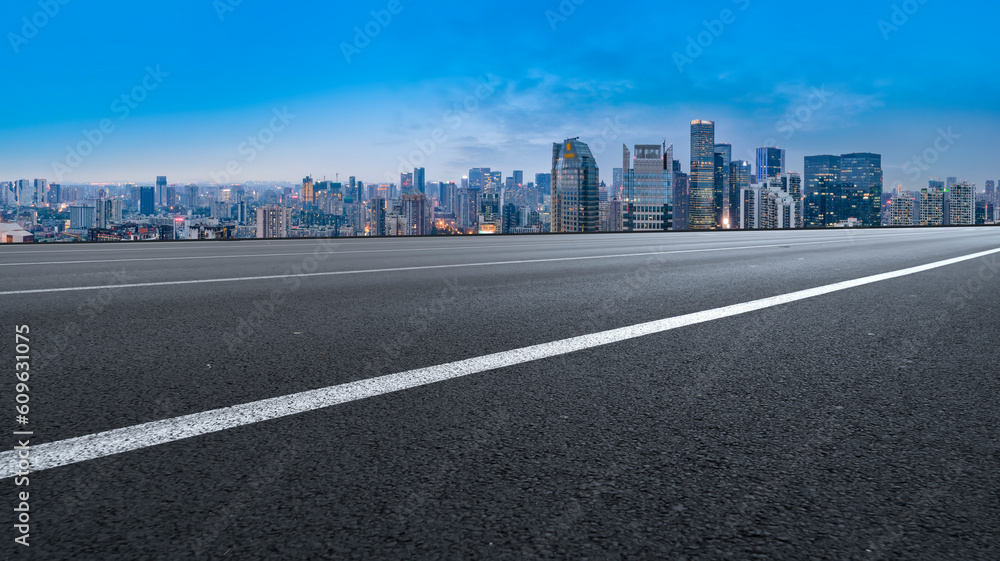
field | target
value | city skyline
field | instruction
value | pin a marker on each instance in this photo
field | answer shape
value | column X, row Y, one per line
column 361, row 113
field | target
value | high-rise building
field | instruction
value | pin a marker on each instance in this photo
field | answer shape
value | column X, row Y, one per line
column 991, row 192
column 574, row 188
column 900, row 210
column 739, row 179
column 863, row 172
column 39, row 196
column 191, row 197
column 612, row 216
column 161, row 190
column 22, row 192
column 273, row 221
column 701, row 201
column 769, row 205
column 770, row 163
column 963, row 204
column 724, row 157
column 308, row 192
column 147, row 201
column 479, row 178
column 377, row 217
column 792, row 184
column 932, row 206
column 406, row 183
column 518, row 178
column 646, row 184
column 55, row 194
column 682, row 198
column 822, row 175
column 81, row 217
column 617, row 182
column 417, row 213
column 107, row 212
column 543, row 182
column 420, row 180
column 467, row 208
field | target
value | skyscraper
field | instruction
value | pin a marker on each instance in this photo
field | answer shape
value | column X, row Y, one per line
column 863, row 172
column 406, row 183
column 39, row 196
column 147, row 201
column 22, row 192
column 822, row 174
column 682, row 198
column 963, row 204
column 900, row 211
column 645, row 189
column 55, row 193
column 574, row 188
column 377, row 220
column 770, row 163
column 417, row 213
column 739, row 179
column 723, row 157
column 192, row 196
column 479, row 178
column 161, row 190
column 273, row 221
column 543, row 183
column 770, row 205
column 932, row 206
column 420, row 180
column 701, row 201
column 991, row 192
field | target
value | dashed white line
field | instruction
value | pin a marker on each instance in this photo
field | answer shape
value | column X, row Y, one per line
column 118, row 441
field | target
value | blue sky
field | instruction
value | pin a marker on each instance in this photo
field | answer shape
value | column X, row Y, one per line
column 608, row 72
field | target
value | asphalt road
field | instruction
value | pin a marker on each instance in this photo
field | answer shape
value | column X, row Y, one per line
column 861, row 424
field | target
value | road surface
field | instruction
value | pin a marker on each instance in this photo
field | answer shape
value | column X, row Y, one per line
column 513, row 397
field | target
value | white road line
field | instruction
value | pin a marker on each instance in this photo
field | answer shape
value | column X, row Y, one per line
column 403, row 269
column 557, row 241
column 169, row 246
column 247, row 256
column 315, row 252
column 118, row 441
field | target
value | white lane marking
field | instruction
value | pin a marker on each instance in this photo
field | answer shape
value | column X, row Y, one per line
column 128, row 439
column 554, row 240
column 314, row 252
column 166, row 246
column 403, row 269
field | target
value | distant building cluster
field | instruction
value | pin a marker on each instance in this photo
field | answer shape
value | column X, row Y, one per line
column 649, row 192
